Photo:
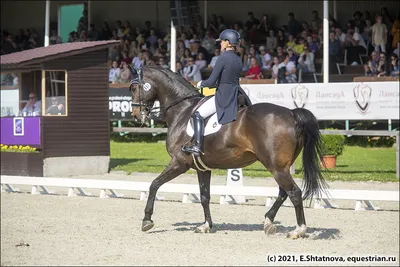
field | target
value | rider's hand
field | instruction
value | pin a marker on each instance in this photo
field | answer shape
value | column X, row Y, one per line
column 199, row 84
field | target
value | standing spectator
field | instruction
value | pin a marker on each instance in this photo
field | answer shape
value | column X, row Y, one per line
column 294, row 26
column 306, row 60
column 252, row 21
column 271, row 41
column 209, row 42
column 106, row 32
column 379, row 35
column 281, row 39
column 367, row 33
column 9, row 46
column 83, row 22
column 395, row 33
column 93, row 34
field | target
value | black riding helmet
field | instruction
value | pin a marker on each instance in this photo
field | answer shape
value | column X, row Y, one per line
column 231, row 35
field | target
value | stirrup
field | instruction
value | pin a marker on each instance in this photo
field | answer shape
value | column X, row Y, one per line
column 193, row 149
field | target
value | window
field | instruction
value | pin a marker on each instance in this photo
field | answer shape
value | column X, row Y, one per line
column 54, row 93
column 10, row 93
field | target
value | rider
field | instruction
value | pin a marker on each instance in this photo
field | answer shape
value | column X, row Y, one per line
column 227, row 71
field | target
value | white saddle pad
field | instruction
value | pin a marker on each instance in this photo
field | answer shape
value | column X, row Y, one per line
column 211, row 127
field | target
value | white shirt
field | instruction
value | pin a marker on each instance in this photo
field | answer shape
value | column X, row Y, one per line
column 193, row 73
column 267, row 58
column 213, row 61
column 358, row 37
column 342, row 37
column 37, row 107
column 289, row 67
column 136, row 62
column 114, row 74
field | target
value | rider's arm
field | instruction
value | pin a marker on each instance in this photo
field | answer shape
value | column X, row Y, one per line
column 212, row 80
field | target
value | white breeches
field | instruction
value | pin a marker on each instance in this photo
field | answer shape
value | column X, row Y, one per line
column 207, row 108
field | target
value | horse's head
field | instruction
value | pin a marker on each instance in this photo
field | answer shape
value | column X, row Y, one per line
column 144, row 93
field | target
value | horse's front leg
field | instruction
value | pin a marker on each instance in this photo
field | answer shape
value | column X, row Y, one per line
column 173, row 169
column 204, row 183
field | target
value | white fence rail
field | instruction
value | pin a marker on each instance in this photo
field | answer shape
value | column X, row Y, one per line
column 188, row 190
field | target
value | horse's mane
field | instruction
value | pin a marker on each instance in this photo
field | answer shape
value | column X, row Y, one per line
column 179, row 85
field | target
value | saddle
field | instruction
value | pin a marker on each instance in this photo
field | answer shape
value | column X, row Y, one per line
column 241, row 101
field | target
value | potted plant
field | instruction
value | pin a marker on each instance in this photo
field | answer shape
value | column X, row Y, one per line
column 21, row 160
column 331, row 147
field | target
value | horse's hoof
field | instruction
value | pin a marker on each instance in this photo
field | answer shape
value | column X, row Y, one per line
column 297, row 233
column 203, row 229
column 147, row 225
column 269, row 227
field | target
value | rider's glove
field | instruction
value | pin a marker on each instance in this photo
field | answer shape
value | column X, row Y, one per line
column 199, row 85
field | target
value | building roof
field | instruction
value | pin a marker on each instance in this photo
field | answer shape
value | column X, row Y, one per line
column 52, row 52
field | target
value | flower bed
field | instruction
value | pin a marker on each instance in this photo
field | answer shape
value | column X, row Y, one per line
column 21, row 160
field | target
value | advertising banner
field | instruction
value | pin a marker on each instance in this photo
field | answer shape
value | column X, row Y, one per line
column 20, row 131
column 120, row 103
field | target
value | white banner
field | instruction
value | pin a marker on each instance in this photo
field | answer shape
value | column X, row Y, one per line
column 333, row 101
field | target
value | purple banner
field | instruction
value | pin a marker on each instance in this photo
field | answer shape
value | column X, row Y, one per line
column 20, row 131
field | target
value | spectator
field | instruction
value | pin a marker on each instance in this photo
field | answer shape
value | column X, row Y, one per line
column 316, row 19
column 106, row 33
column 185, row 40
column 83, row 22
column 128, row 29
column 372, row 66
column 379, row 35
column 312, row 44
column 200, row 61
column 217, row 53
column 341, row 36
column 298, row 48
column 292, row 55
column 125, row 74
column 209, row 42
column 279, row 51
column 266, row 61
column 356, row 46
column 138, row 60
column 395, row 33
column 162, row 63
column 394, row 65
column 180, row 49
column 152, row 39
column 271, row 41
column 287, row 70
column 367, row 33
column 294, row 27
column 93, row 34
column 291, row 41
column 334, row 50
column 397, row 50
column 34, row 106
column 275, row 67
column 306, row 60
column 382, row 68
column 179, row 68
column 197, row 48
column 252, row 21
column 264, row 25
column 192, row 72
column 55, row 108
column 54, row 39
column 133, row 49
column 186, row 56
column 281, row 39
column 125, row 58
column 9, row 46
column 254, row 70
column 243, row 56
column 114, row 73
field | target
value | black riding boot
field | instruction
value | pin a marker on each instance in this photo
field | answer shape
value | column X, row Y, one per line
column 198, row 126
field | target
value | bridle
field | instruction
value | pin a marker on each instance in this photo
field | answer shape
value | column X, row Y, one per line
column 146, row 108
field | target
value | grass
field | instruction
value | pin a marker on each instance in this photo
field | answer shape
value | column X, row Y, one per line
column 356, row 163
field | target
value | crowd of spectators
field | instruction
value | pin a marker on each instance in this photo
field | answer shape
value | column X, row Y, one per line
column 265, row 49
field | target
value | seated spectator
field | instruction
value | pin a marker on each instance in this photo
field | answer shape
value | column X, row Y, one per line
column 152, row 39
column 397, row 50
column 243, row 56
column 55, row 108
column 186, row 56
column 125, row 58
column 254, row 70
column 197, row 48
column 9, row 46
column 162, row 63
column 371, row 67
column 200, row 61
column 54, row 39
column 355, row 46
column 382, row 66
column 271, row 41
column 279, row 51
column 287, row 70
column 306, row 60
column 138, row 60
column 341, row 36
column 275, row 67
column 192, row 72
column 209, row 42
column 179, row 68
column 334, row 51
column 312, row 44
column 266, row 61
column 291, row 42
column 33, row 107
column 298, row 48
column 292, row 55
column 133, row 49
column 281, row 39
column 106, row 33
column 217, row 53
column 125, row 73
column 114, row 73
column 394, row 65
column 93, row 34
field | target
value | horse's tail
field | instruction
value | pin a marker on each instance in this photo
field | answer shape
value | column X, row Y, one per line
column 307, row 128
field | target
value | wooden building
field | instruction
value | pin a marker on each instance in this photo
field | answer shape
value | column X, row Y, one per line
column 70, row 124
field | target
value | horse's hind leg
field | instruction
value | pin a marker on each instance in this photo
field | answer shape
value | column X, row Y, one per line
column 204, row 183
column 286, row 182
column 173, row 169
column 269, row 227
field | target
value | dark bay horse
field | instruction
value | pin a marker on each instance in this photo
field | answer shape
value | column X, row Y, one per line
column 271, row 134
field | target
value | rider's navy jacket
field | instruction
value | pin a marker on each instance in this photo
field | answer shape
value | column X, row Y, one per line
column 225, row 75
